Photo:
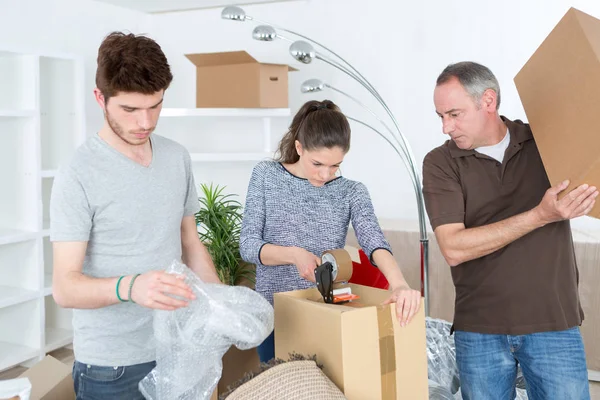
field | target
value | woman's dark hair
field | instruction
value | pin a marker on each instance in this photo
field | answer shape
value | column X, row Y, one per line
column 317, row 125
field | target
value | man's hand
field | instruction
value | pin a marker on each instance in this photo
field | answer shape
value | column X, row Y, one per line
column 155, row 289
column 407, row 302
column 576, row 203
column 306, row 262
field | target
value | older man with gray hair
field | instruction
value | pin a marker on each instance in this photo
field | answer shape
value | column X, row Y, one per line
column 506, row 235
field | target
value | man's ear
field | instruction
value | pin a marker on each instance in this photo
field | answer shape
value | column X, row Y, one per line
column 100, row 99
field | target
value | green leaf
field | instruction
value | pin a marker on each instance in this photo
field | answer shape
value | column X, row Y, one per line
column 220, row 220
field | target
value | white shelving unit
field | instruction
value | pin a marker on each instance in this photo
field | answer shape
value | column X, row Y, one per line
column 42, row 121
column 266, row 114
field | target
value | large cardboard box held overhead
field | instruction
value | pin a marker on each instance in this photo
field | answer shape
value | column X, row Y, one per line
column 236, row 79
column 559, row 88
column 361, row 346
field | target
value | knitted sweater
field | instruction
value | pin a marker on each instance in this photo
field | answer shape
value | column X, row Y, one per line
column 286, row 210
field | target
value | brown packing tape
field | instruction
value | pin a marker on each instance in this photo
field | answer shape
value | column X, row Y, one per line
column 343, row 263
column 387, row 353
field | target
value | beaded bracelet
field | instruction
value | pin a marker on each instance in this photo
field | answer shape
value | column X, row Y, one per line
column 131, row 286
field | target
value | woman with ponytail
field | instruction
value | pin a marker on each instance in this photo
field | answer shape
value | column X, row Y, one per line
column 298, row 206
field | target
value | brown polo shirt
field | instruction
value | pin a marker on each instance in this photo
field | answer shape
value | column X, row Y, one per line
column 530, row 285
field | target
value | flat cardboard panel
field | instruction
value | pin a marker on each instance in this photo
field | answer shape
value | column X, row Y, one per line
column 273, row 86
column 558, row 87
column 361, row 365
column 410, row 344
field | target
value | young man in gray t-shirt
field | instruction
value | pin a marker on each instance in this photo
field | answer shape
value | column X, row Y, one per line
column 121, row 211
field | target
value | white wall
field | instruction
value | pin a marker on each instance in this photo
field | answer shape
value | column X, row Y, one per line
column 399, row 46
column 66, row 26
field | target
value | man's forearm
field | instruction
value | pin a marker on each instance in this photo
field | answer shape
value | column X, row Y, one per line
column 196, row 257
column 472, row 243
column 76, row 290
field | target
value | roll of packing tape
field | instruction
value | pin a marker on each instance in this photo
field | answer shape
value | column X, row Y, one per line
column 342, row 264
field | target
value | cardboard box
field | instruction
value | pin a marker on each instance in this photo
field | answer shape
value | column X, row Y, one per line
column 236, row 79
column 237, row 363
column 559, row 87
column 363, row 349
column 50, row 380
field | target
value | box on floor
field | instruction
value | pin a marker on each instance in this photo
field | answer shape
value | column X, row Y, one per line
column 361, row 345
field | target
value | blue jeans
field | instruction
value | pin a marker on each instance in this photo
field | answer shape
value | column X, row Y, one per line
column 115, row 383
column 553, row 365
column 266, row 350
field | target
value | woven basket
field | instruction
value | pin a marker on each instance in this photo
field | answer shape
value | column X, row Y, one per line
column 294, row 380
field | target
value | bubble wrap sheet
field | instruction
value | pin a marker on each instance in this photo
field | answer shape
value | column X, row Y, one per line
column 444, row 382
column 191, row 341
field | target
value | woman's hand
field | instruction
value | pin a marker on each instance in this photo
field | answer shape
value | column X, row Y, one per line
column 306, row 263
column 407, row 302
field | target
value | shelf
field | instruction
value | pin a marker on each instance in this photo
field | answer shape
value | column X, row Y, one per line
column 18, row 82
column 215, row 157
column 47, row 284
column 10, row 296
column 57, row 338
column 10, row 236
column 19, row 272
column 48, row 265
column 19, row 183
column 13, row 354
column 60, row 113
column 49, row 173
column 46, row 194
column 225, row 112
column 59, row 325
column 16, row 113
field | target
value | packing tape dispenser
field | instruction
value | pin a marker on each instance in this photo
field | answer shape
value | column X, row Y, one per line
column 336, row 268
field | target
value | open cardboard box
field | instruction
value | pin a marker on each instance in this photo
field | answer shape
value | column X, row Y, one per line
column 361, row 345
column 236, row 79
column 558, row 87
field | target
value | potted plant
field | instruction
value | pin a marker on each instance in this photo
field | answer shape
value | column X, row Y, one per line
column 219, row 224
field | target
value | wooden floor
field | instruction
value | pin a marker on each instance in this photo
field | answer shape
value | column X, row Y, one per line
column 66, row 355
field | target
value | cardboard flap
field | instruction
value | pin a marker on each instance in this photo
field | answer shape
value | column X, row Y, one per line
column 221, row 58
column 290, row 69
column 410, row 343
column 591, row 28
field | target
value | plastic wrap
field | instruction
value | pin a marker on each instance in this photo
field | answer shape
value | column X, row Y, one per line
column 441, row 357
column 444, row 381
column 18, row 387
column 191, row 341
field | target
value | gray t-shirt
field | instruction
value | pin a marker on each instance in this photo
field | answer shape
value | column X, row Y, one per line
column 130, row 215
